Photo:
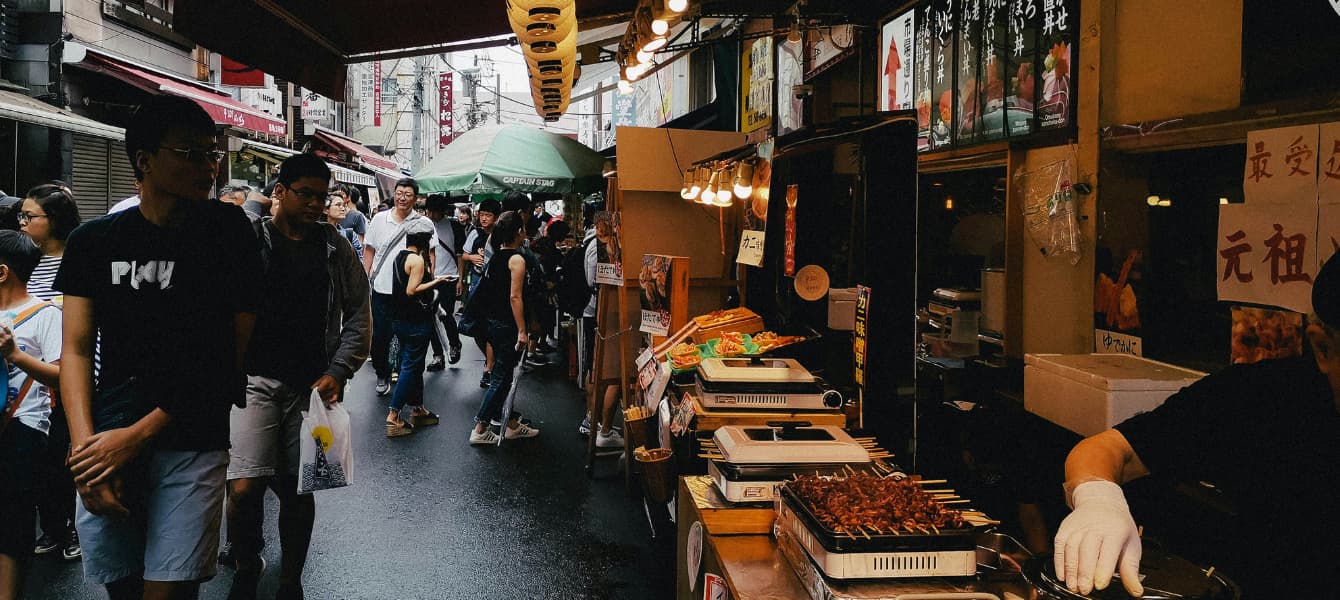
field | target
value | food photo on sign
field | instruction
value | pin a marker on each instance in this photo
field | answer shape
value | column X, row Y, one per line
column 654, row 282
column 609, row 249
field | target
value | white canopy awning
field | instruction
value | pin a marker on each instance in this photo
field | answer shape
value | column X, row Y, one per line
column 30, row 110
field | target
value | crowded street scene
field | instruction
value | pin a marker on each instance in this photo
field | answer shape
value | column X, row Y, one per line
column 426, row 299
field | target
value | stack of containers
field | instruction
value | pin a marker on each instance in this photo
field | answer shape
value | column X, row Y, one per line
column 547, row 32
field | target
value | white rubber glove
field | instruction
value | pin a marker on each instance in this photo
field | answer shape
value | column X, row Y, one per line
column 1097, row 536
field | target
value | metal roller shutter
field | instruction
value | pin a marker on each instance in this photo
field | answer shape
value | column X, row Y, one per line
column 121, row 180
column 89, row 176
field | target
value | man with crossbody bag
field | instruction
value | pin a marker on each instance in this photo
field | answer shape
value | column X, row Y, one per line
column 385, row 239
column 30, row 342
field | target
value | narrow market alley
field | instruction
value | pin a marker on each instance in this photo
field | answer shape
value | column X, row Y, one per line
column 429, row 516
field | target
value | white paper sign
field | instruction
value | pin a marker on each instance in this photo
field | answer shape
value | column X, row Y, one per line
column 1267, row 254
column 1281, row 165
column 1328, row 164
column 751, row 248
column 1113, row 342
column 609, row 274
column 652, row 378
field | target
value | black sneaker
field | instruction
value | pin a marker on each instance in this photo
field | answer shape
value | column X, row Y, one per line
column 46, row 545
column 486, row 380
column 71, row 550
column 537, row 360
column 438, row 364
column 454, row 355
column 383, row 386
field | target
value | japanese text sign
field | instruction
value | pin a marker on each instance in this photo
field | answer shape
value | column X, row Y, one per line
column 1328, row 164
column 751, row 248
column 1281, row 165
column 861, row 333
column 1268, row 254
column 377, row 93
column 445, row 127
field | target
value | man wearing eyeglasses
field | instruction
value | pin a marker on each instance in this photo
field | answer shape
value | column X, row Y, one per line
column 385, row 239
column 311, row 334
column 172, row 288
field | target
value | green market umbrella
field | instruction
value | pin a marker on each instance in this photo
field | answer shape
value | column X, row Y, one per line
column 498, row 158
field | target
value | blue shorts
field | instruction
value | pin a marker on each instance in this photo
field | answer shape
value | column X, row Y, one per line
column 172, row 533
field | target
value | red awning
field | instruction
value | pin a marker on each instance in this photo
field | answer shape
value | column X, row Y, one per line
column 223, row 109
column 357, row 152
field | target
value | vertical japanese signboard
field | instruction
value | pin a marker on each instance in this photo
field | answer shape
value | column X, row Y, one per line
column 860, row 335
column 1021, row 67
column 1057, row 40
column 1271, row 247
column 943, row 28
column 924, row 71
column 377, row 93
column 756, row 88
column 995, row 56
column 792, row 197
column 967, row 125
column 896, row 57
column 445, row 125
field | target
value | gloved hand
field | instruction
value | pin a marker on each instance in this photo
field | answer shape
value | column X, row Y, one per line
column 1098, row 534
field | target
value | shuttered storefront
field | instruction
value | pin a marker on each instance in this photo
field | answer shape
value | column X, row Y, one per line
column 121, row 181
column 90, row 175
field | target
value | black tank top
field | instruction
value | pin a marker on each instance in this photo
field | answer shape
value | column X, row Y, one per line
column 404, row 306
column 497, row 287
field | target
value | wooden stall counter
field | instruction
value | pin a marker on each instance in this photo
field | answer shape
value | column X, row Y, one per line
column 728, row 547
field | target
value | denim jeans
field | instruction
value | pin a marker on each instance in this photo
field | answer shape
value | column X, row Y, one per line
column 413, row 350
column 502, row 334
column 381, row 334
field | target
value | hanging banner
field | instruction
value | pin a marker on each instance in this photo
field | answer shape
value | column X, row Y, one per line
column 1268, row 254
column 896, row 39
column 609, row 253
column 968, row 123
column 944, row 28
column 790, row 73
column 861, row 331
column 377, row 93
column 445, row 126
column 1328, row 164
column 792, row 196
column 995, row 57
column 922, row 81
column 756, row 85
column 1281, row 165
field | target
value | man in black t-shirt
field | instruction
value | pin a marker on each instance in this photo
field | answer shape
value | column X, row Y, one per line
column 1266, row 436
column 171, row 287
column 312, row 333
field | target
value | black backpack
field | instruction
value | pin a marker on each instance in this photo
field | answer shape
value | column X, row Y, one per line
column 573, row 292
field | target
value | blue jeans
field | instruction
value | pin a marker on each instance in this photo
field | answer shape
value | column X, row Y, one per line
column 502, row 335
column 413, row 337
column 381, row 334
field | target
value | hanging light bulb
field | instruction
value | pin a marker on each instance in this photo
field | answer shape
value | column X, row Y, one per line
column 1223, row 200
column 949, row 203
column 644, row 57
column 744, row 180
column 698, row 182
column 677, row 6
column 625, row 88
column 1165, row 202
column 793, row 36
column 709, row 195
column 724, row 193
column 686, row 190
column 1152, row 200
column 654, row 44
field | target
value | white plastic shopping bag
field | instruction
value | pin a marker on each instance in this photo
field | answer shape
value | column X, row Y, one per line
column 327, row 453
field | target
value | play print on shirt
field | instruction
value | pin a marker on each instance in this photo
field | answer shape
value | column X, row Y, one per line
column 135, row 273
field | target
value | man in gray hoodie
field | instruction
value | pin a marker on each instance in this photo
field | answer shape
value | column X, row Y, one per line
column 312, row 333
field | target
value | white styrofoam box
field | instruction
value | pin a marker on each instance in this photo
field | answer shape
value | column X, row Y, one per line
column 1089, row 393
column 842, row 309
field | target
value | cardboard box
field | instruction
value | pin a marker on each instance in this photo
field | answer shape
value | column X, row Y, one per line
column 1089, row 393
column 842, row 309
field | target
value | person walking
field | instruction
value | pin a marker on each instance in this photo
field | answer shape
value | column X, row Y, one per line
column 30, row 343
column 504, row 311
column 446, row 264
column 48, row 215
column 336, row 211
column 171, row 289
column 384, row 241
column 312, row 334
column 412, row 308
column 477, row 253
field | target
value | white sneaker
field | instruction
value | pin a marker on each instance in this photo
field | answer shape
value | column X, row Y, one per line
column 609, row 440
column 522, row 431
column 486, row 438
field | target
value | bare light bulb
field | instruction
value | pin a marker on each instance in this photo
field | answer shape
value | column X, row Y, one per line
column 1152, row 200
column 660, row 26
column 1165, row 203
column 625, row 88
column 744, row 180
column 709, row 195
column 686, row 190
column 677, row 6
column 793, row 36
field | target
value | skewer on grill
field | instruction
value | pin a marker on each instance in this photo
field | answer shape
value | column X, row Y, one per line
column 944, row 491
column 929, row 481
column 963, row 501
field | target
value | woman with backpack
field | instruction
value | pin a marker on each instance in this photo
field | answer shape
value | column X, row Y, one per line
column 503, row 309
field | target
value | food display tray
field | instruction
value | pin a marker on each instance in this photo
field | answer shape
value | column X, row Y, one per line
column 833, row 541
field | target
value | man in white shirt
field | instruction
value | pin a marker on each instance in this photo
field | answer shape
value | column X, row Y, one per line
column 384, row 240
column 446, row 252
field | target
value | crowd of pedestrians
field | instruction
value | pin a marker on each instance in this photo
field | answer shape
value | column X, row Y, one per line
column 159, row 359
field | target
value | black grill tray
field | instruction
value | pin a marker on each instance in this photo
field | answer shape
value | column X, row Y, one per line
column 778, row 471
column 832, row 541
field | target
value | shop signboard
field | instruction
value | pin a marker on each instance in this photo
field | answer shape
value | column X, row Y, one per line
column 967, row 125
column 792, row 197
column 1115, row 342
column 314, row 107
column 445, row 127
column 995, row 57
column 1057, row 41
column 922, row 79
column 756, row 85
column 896, row 59
column 828, row 46
column 756, row 212
column 861, row 332
column 1020, row 67
column 1281, row 165
column 656, row 280
column 790, row 73
column 609, row 254
column 376, row 93
column 1268, row 254
column 944, row 28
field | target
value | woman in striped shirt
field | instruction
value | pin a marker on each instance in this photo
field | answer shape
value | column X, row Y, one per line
column 48, row 214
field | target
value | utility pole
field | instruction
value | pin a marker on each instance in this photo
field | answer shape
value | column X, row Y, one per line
column 416, row 135
column 497, row 99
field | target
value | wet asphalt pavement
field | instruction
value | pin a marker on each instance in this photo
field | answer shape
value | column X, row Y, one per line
column 430, row 516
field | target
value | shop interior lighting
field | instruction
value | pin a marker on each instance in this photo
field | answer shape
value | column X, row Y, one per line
column 709, row 195
column 949, row 203
column 644, row 57
column 1165, row 202
column 652, row 45
column 699, row 181
column 744, row 180
column 677, row 6
column 1152, row 200
column 686, row 190
column 724, row 191
column 1223, row 200
column 625, row 88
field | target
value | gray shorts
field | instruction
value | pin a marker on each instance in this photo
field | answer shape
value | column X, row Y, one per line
column 265, row 433
column 172, row 533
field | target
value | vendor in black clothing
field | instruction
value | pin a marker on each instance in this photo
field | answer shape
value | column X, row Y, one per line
column 1266, row 434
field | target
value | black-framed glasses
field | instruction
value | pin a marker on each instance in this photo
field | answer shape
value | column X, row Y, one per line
column 193, row 154
column 309, row 195
column 25, row 217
